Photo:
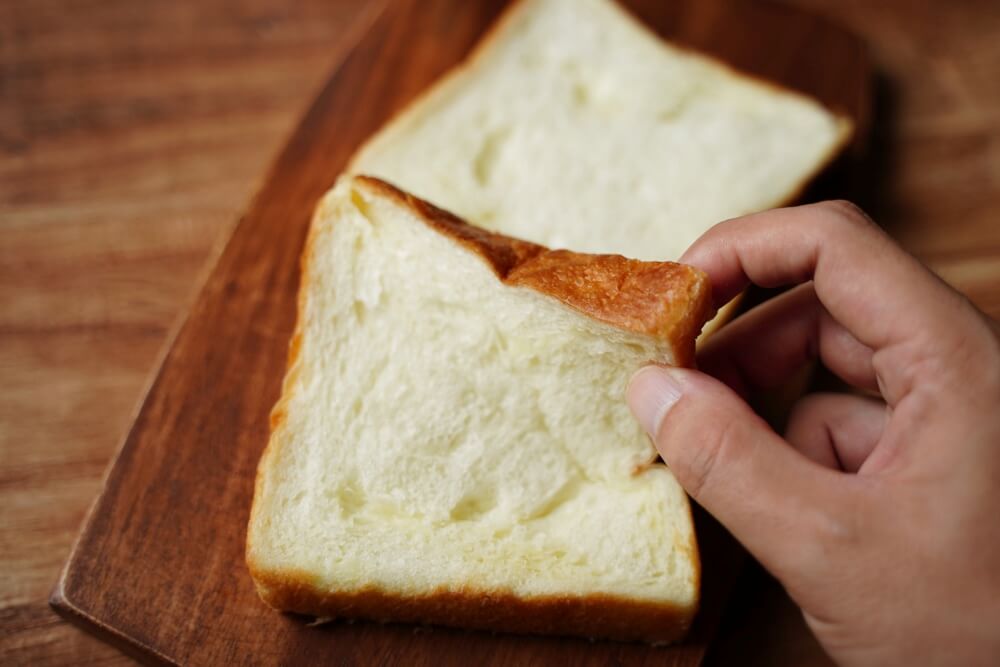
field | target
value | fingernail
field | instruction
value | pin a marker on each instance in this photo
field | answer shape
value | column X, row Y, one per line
column 651, row 393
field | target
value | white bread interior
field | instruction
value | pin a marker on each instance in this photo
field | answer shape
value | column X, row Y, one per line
column 442, row 432
column 574, row 126
column 451, row 448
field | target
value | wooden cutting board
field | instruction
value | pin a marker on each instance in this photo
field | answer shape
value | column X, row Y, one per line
column 158, row 568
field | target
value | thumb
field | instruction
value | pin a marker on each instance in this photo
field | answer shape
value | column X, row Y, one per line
column 779, row 504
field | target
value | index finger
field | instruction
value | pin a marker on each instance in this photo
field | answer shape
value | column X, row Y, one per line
column 870, row 285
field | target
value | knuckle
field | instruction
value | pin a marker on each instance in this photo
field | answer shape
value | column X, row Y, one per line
column 696, row 470
column 845, row 526
column 829, row 537
column 847, row 211
column 842, row 216
column 836, row 528
column 717, row 231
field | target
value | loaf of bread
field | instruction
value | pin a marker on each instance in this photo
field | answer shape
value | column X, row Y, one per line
column 574, row 126
column 452, row 443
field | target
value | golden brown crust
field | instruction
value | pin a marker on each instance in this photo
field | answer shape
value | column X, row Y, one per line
column 583, row 282
column 596, row 616
column 625, row 293
column 666, row 300
column 484, row 47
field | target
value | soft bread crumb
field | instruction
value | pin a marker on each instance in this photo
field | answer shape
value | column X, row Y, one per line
column 574, row 126
column 429, row 445
column 436, row 460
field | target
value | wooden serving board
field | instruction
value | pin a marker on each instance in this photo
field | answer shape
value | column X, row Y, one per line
column 158, row 568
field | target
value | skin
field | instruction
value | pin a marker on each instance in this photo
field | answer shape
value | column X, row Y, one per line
column 879, row 511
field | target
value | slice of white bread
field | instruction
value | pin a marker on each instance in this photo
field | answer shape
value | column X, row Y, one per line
column 452, row 444
column 574, row 126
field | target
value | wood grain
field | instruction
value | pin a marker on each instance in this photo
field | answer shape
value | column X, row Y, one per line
column 159, row 568
column 131, row 137
column 132, row 134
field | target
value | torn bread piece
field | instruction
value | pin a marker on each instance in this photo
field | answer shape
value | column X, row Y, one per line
column 452, row 443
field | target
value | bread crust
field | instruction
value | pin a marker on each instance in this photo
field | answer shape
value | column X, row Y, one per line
column 665, row 300
column 484, row 47
column 625, row 293
column 595, row 616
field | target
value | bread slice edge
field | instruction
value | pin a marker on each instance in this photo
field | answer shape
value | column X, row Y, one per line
column 598, row 616
column 554, row 274
column 423, row 105
column 664, row 300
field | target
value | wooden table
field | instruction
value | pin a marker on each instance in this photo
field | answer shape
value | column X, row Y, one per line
column 133, row 133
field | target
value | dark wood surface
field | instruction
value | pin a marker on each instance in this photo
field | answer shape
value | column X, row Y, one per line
column 133, row 134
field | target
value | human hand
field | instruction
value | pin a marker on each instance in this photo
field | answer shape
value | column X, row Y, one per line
column 881, row 517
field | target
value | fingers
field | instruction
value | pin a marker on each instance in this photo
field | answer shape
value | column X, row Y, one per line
column 764, row 347
column 838, row 431
column 774, row 500
column 878, row 292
